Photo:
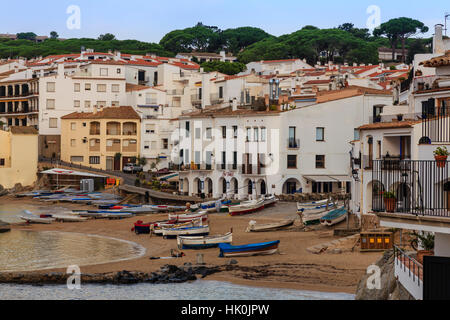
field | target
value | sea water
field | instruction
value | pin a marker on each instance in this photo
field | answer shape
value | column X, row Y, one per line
column 197, row 290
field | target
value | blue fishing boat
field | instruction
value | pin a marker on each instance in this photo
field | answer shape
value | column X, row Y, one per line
column 255, row 249
column 334, row 217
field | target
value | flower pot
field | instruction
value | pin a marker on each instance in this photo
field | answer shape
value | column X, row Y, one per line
column 441, row 161
column 389, row 203
column 422, row 253
column 421, row 86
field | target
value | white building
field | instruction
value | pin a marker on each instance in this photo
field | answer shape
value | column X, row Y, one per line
column 267, row 67
column 239, row 151
column 396, row 156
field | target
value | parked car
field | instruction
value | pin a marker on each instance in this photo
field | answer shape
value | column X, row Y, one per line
column 132, row 168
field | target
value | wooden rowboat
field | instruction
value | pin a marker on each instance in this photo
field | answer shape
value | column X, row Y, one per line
column 203, row 242
column 265, row 248
column 192, row 231
column 254, row 227
column 246, row 207
column 68, row 218
column 31, row 218
column 311, row 204
column 183, row 217
column 334, row 217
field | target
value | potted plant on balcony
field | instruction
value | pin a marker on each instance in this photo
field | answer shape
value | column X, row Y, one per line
column 389, row 201
column 400, row 117
column 441, row 155
column 426, row 241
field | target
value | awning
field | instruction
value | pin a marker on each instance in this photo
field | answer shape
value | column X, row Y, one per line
column 169, row 176
column 72, row 173
column 331, row 178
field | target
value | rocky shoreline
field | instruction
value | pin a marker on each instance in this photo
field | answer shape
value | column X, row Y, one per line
column 167, row 274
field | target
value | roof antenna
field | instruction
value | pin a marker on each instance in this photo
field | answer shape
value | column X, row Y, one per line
column 447, row 15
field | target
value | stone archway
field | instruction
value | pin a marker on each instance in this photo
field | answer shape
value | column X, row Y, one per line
column 209, row 187
column 291, row 186
column 234, row 186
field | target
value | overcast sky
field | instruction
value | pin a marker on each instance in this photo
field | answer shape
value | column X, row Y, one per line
column 150, row 20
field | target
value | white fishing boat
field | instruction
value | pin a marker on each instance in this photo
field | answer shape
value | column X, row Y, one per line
column 31, row 218
column 68, row 218
column 191, row 231
column 269, row 201
column 204, row 242
column 334, row 217
column 117, row 215
column 254, row 227
column 246, row 207
column 186, row 217
column 158, row 228
column 312, row 204
column 313, row 218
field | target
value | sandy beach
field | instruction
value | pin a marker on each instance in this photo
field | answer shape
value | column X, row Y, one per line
column 294, row 267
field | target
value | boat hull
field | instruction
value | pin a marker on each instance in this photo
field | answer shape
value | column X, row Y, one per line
column 245, row 208
column 270, row 227
column 256, row 249
column 194, row 231
column 198, row 243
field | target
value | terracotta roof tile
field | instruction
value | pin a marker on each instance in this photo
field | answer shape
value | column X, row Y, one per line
column 389, row 125
column 106, row 113
column 438, row 61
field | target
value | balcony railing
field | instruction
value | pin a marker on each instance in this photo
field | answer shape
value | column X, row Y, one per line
column 435, row 123
column 420, row 187
column 293, row 143
column 249, row 169
column 409, row 272
column 226, row 166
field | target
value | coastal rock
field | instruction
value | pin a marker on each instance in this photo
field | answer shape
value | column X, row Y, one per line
column 231, row 262
column 17, row 188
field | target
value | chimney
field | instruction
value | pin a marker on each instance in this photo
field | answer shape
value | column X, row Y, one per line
column 235, row 104
column 60, row 69
column 438, row 42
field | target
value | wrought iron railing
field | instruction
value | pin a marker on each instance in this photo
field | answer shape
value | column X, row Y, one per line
column 415, row 269
column 420, row 187
column 435, row 123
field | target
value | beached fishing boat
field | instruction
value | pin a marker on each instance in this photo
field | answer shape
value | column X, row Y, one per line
column 85, row 214
column 269, row 201
column 203, row 242
column 265, row 248
column 191, row 231
column 118, row 215
column 254, row 227
column 31, row 218
column 246, row 207
column 334, row 217
column 317, row 209
column 68, row 218
column 312, row 204
column 186, row 217
column 159, row 227
column 312, row 218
